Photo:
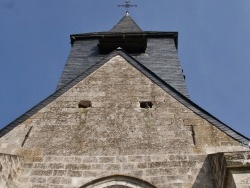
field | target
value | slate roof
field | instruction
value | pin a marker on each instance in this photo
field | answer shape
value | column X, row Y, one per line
column 160, row 57
column 152, row 76
column 126, row 24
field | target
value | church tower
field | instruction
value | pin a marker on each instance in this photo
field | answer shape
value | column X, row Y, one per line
column 157, row 51
column 121, row 117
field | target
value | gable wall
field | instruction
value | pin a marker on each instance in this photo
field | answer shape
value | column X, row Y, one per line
column 68, row 146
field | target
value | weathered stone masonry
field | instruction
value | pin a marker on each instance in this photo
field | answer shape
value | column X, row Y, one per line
column 10, row 166
column 70, row 146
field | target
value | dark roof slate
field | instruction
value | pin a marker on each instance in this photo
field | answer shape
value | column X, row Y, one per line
column 157, row 80
column 161, row 56
column 126, row 24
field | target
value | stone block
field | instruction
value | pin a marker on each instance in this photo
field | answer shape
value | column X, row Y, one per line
column 38, row 172
column 159, row 180
column 89, row 159
column 121, row 159
column 37, row 159
column 112, row 167
column 55, row 166
column 72, row 159
column 153, row 172
column 142, row 165
column 51, row 158
column 106, row 159
column 84, row 166
column 72, row 166
column 37, row 180
column 178, row 157
column 65, row 180
column 97, row 166
column 188, row 164
column 74, row 173
column 87, row 174
column 159, row 158
column 54, row 180
column 59, row 172
column 137, row 159
column 129, row 167
column 40, row 165
column 136, row 173
column 27, row 165
column 168, row 171
column 78, row 166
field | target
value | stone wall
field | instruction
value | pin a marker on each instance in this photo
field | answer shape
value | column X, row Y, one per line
column 10, row 166
column 69, row 146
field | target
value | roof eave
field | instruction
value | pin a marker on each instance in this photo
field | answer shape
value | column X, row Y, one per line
column 144, row 34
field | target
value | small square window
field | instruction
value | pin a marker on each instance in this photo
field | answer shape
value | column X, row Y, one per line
column 146, row 104
column 84, row 104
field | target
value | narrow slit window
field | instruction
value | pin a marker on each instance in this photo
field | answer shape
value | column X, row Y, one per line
column 84, row 104
column 146, row 104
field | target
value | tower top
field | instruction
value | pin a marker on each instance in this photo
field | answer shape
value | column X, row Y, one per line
column 127, row 5
column 126, row 24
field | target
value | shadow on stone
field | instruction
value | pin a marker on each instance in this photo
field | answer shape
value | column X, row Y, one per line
column 205, row 176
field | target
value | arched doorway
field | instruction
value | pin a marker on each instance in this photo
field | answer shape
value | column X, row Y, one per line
column 118, row 182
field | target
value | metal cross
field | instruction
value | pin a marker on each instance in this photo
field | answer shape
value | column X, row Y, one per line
column 127, row 5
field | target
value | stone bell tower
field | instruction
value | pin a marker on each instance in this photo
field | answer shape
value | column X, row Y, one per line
column 157, row 51
column 121, row 117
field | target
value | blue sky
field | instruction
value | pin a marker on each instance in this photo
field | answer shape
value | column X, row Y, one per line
column 214, row 48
